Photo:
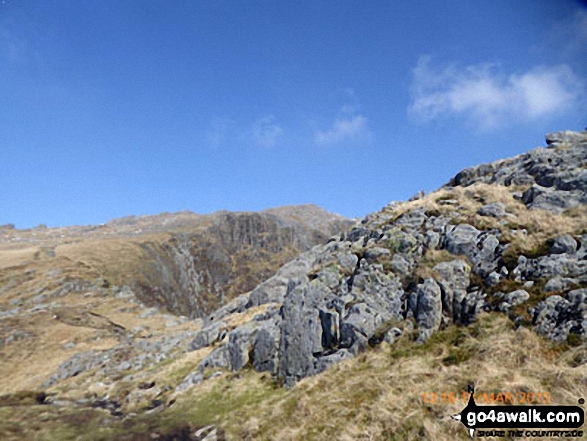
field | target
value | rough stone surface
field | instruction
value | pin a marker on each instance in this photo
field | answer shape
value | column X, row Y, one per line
column 428, row 312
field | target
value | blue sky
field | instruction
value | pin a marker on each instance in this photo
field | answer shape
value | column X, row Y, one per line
column 111, row 108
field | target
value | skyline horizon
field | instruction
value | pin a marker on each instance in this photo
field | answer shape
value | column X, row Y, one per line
column 114, row 109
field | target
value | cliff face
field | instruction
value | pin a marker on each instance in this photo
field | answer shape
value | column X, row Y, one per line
column 192, row 273
column 189, row 264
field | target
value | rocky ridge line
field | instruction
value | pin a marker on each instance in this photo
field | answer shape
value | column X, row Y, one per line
column 509, row 236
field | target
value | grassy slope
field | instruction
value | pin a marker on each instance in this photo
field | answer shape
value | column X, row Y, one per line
column 378, row 395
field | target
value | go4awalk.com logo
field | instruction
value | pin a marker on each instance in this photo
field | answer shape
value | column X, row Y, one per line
column 522, row 421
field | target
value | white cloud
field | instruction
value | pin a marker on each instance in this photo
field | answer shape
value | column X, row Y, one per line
column 488, row 97
column 266, row 132
column 349, row 128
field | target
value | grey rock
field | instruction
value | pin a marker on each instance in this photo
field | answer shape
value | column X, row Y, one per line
column 124, row 366
column 190, row 381
column 275, row 288
column 375, row 254
column 265, row 349
column 301, row 330
column 492, row 279
column 454, row 279
column 240, row 344
column 432, row 239
column 549, row 199
column 237, row 305
column 359, row 324
column 559, row 284
column 399, row 265
column 207, row 336
column 219, row 358
column 429, row 309
column 550, row 318
column 494, row 210
column 462, row 240
column 413, row 220
column 516, row 297
column 347, row 262
column 566, row 137
column 553, row 265
column 564, row 244
column 472, row 305
column 323, row 363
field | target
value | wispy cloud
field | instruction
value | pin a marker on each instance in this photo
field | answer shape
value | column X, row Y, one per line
column 266, row 132
column 571, row 32
column 489, row 97
column 12, row 47
column 351, row 128
column 220, row 130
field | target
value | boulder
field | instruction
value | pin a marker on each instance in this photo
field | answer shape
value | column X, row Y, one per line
column 493, row 210
column 454, row 279
column 564, row 244
column 428, row 309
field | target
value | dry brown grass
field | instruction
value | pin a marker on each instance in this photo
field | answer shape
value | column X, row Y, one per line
column 526, row 229
column 379, row 395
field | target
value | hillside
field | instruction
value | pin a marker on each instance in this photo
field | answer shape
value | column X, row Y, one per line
column 483, row 281
column 187, row 263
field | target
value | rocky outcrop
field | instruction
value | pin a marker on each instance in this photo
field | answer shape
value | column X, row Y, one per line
column 556, row 175
column 413, row 268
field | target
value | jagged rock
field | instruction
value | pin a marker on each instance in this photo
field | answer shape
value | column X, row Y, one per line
column 275, row 288
column 578, row 297
column 428, row 312
column 358, row 233
column 236, row 305
column 494, row 210
column 375, row 254
column 492, row 279
column 413, row 220
column 432, row 239
column 485, row 259
column 454, row 279
column 559, row 284
column 265, row 349
column 472, row 305
column 564, row 244
column 516, row 297
column 347, row 262
column 240, row 344
column 219, row 358
column 208, row 335
column 358, row 325
column 326, row 361
column 189, row 381
column 399, row 265
column 381, row 292
column 462, row 240
column 549, row 266
column 549, row 199
column 301, row 330
column 549, row 318
column 566, row 137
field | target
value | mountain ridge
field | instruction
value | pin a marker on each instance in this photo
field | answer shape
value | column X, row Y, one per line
column 397, row 306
